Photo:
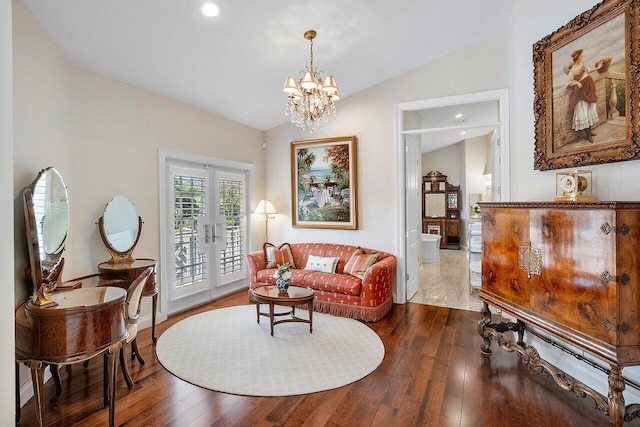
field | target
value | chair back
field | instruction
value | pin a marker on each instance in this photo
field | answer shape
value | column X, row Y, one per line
column 134, row 295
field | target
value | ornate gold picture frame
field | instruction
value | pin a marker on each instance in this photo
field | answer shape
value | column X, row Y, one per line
column 324, row 183
column 586, row 84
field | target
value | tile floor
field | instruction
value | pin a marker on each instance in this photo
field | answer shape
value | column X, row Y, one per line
column 446, row 282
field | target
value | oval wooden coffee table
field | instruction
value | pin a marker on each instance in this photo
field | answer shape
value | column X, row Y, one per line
column 294, row 296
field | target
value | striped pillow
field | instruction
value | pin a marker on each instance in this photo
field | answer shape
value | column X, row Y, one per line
column 278, row 255
column 359, row 262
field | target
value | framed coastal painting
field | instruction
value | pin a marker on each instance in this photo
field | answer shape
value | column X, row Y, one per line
column 324, row 183
column 586, row 89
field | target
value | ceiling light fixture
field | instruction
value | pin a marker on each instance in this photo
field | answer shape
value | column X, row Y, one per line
column 463, row 132
column 209, row 9
column 459, row 115
column 311, row 98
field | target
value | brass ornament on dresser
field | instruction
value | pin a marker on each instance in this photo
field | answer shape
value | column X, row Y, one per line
column 574, row 186
column 569, row 273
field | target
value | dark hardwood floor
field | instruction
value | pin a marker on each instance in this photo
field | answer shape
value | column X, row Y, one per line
column 433, row 374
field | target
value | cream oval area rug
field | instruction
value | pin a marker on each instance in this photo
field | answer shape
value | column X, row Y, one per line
column 227, row 350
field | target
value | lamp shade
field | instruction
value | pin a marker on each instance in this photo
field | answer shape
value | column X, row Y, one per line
column 265, row 207
column 308, row 81
column 290, row 85
column 330, row 84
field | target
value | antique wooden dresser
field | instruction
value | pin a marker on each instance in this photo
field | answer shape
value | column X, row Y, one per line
column 570, row 270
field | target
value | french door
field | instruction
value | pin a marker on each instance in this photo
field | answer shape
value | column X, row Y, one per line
column 208, row 235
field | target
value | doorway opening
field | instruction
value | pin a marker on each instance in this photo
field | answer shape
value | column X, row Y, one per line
column 422, row 121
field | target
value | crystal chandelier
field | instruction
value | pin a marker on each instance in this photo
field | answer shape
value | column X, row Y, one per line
column 311, row 98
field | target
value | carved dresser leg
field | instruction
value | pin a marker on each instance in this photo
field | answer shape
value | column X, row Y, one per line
column 616, row 399
column 485, row 347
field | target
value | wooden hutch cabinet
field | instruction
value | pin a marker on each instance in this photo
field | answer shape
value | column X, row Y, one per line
column 572, row 271
column 440, row 209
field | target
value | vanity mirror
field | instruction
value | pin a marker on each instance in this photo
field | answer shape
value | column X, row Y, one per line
column 434, row 205
column 46, row 210
column 120, row 228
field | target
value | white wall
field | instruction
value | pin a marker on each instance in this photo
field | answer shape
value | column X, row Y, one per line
column 7, row 353
column 447, row 161
column 117, row 132
column 42, row 126
column 370, row 116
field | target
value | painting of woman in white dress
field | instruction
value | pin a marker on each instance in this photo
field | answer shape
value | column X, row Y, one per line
column 586, row 96
column 589, row 83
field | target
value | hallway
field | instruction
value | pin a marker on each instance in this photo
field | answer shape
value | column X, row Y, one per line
column 445, row 283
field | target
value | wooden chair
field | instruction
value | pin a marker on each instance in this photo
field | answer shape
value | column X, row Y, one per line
column 131, row 315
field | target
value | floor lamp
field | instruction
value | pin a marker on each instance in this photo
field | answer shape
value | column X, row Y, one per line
column 265, row 208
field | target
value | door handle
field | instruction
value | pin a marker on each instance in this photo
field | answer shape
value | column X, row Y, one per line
column 214, row 233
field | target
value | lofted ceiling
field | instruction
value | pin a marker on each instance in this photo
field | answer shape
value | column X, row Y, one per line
column 234, row 65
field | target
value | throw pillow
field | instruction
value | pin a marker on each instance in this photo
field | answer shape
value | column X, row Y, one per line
column 359, row 262
column 324, row 264
column 278, row 255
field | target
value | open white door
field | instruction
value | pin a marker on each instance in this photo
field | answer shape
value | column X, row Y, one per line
column 413, row 200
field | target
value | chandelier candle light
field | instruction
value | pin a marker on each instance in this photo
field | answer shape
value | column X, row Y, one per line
column 311, row 98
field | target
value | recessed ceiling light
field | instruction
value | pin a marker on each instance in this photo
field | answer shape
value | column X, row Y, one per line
column 210, row 9
column 463, row 132
column 459, row 115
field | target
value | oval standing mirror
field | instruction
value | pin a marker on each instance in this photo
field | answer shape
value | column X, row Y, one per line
column 47, row 225
column 120, row 228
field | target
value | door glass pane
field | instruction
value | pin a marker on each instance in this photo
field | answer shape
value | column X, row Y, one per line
column 189, row 205
column 232, row 208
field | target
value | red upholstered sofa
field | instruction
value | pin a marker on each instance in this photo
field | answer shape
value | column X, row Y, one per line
column 336, row 293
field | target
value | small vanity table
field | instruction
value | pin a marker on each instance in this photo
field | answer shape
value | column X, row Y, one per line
column 83, row 324
column 120, row 228
column 57, row 327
